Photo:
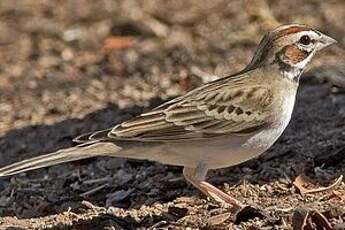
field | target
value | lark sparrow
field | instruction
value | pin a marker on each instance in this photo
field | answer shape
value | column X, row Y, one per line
column 220, row 124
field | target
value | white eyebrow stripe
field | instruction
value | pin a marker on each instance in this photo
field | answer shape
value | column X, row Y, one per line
column 294, row 37
column 313, row 35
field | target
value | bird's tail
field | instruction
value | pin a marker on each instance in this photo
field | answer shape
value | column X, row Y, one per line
column 61, row 156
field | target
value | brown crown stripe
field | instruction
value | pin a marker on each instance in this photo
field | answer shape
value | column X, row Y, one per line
column 290, row 30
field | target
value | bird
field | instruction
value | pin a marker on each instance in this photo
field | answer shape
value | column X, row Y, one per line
column 220, row 124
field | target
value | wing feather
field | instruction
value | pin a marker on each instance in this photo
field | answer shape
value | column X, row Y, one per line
column 219, row 108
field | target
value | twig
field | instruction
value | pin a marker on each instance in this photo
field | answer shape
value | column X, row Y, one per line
column 276, row 209
column 97, row 180
column 94, row 190
column 89, row 205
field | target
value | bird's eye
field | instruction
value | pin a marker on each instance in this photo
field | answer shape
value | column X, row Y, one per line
column 305, row 40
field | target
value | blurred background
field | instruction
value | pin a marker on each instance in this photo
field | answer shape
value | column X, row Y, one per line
column 73, row 66
column 64, row 59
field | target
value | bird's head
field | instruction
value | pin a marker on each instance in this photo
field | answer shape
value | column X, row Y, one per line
column 291, row 47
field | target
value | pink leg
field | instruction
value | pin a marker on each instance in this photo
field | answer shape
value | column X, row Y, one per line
column 196, row 176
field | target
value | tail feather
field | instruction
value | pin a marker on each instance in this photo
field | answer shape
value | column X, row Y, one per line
column 61, row 156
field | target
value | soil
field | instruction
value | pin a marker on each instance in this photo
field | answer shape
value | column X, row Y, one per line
column 70, row 67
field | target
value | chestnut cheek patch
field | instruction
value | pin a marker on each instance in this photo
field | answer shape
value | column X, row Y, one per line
column 294, row 54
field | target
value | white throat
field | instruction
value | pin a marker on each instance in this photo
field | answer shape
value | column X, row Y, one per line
column 293, row 74
column 295, row 71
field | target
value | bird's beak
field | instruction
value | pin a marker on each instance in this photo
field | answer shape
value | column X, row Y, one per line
column 325, row 41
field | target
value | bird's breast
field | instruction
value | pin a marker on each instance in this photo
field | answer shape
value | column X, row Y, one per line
column 281, row 114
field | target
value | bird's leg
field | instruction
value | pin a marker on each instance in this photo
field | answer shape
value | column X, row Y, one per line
column 196, row 176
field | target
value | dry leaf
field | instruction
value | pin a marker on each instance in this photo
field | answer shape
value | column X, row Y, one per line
column 299, row 183
column 299, row 218
column 303, row 219
column 118, row 42
column 320, row 220
column 301, row 180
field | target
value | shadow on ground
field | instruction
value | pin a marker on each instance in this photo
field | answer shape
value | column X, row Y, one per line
column 313, row 139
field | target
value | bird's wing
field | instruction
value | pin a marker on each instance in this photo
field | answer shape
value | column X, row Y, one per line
column 222, row 107
column 229, row 106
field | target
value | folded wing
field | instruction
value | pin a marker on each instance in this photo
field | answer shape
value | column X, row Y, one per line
column 215, row 109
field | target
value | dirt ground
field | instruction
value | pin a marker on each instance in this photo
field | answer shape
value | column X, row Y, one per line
column 69, row 67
